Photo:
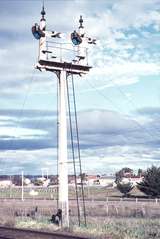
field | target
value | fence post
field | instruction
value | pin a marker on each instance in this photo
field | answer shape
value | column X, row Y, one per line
column 22, row 187
column 116, row 208
column 107, row 209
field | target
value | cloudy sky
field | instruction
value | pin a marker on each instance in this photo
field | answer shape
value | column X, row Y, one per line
column 118, row 102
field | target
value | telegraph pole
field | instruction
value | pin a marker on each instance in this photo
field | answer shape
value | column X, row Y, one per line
column 54, row 56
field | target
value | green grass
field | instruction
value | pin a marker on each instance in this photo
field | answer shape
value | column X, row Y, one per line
column 91, row 192
column 116, row 228
column 125, row 228
column 15, row 192
column 128, row 227
column 40, row 223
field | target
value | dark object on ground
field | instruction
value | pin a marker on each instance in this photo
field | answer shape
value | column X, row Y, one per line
column 57, row 218
column 33, row 213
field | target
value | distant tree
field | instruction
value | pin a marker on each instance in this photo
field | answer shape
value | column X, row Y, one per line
column 17, row 180
column 37, row 182
column 83, row 176
column 150, row 184
column 140, row 172
column 120, row 174
column 124, row 187
column 4, row 177
column 53, row 180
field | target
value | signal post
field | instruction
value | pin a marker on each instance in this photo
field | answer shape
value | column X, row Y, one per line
column 63, row 58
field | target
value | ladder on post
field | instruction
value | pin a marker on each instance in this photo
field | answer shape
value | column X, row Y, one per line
column 75, row 148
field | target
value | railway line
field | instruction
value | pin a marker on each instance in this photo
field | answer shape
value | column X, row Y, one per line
column 16, row 233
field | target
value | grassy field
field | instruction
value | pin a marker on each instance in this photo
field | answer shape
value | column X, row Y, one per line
column 51, row 192
column 116, row 228
column 123, row 228
column 107, row 213
column 91, row 192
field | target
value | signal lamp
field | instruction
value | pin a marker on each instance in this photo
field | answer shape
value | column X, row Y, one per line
column 76, row 38
column 37, row 32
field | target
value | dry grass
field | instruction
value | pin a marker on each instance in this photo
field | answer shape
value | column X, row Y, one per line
column 121, row 220
column 102, row 228
column 91, row 192
column 40, row 223
column 8, row 221
column 120, row 228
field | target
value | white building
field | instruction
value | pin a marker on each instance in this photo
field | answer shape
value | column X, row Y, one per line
column 101, row 180
column 107, row 181
column 27, row 181
column 5, row 183
column 134, row 180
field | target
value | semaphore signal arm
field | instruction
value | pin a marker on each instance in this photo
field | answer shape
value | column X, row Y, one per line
column 58, row 51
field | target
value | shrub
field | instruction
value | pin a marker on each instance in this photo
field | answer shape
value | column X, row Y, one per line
column 120, row 174
column 124, row 187
column 151, row 182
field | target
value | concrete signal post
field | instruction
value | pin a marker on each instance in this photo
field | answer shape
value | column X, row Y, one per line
column 63, row 55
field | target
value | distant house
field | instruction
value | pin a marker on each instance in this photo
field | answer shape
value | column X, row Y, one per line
column 107, row 181
column 88, row 180
column 128, row 174
column 71, row 179
column 27, row 181
column 46, row 182
column 5, row 183
column 133, row 179
column 103, row 180
column 42, row 181
column 92, row 180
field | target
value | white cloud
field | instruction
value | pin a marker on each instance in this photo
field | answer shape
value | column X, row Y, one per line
column 108, row 141
column 29, row 161
column 112, row 57
column 126, row 51
column 113, row 74
column 19, row 133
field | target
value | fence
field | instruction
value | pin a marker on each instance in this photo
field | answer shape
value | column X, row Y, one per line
column 46, row 200
column 46, row 208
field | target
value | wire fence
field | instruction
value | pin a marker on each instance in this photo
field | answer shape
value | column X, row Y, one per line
column 45, row 208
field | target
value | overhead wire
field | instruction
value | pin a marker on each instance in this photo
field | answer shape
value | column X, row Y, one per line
column 37, row 123
column 140, row 126
column 72, row 142
column 103, row 95
column 126, row 139
column 21, row 110
column 130, row 101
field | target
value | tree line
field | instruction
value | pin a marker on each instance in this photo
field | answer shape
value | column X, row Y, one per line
column 150, row 184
